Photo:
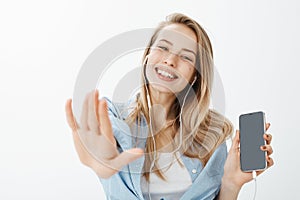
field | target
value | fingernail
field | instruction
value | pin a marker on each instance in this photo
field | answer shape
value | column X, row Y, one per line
column 263, row 147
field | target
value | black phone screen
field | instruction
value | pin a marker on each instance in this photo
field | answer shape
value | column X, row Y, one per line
column 252, row 128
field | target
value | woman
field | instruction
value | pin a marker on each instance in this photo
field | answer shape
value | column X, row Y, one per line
column 166, row 143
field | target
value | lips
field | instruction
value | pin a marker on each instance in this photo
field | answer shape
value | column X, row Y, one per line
column 165, row 74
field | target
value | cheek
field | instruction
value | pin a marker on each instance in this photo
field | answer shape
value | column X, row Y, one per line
column 188, row 71
column 191, row 69
column 155, row 57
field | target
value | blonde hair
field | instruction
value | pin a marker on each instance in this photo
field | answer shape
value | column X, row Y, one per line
column 203, row 129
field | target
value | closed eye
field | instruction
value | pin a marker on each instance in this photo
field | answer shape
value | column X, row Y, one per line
column 163, row 47
column 187, row 58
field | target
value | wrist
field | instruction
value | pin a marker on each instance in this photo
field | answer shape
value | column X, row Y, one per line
column 229, row 189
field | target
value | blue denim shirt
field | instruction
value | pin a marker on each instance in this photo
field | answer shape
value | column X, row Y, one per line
column 125, row 184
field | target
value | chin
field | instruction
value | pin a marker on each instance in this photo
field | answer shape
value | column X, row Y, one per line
column 165, row 88
column 161, row 88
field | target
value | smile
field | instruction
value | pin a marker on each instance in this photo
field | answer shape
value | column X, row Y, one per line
column 165, row 75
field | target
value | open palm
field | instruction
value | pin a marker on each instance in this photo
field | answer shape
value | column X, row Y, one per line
column 94, row 140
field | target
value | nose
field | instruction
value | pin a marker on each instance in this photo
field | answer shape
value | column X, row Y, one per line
column 170, row 59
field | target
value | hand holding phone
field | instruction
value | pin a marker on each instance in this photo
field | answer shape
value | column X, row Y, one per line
column 252, row 129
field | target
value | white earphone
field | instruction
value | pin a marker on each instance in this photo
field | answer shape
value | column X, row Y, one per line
column 195, row 78
column 151, row 131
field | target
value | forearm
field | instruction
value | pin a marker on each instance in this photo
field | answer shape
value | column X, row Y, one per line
column 228, row 190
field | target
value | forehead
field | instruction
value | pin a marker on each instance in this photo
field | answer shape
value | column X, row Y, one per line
column 179, row 35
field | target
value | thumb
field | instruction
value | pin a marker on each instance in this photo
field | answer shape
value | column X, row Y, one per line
column 236, row 141
column 126, row 157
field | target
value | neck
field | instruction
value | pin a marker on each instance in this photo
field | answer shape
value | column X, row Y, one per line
column 164, row 100
column 162, row 117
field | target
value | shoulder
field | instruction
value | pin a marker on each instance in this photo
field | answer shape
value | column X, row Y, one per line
column 220, row 153
column 216, row 162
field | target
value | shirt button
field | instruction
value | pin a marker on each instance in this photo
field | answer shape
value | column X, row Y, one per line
column 194, row 171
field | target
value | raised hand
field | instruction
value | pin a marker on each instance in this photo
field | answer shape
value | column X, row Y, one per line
column 94, row 140
column 234, row 178
column 232, row 169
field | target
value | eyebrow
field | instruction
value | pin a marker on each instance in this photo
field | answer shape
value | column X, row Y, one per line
column 184, row 49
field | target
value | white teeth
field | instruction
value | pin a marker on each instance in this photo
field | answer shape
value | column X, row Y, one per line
column 166, row 74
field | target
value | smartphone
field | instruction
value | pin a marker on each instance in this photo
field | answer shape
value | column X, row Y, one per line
column 252, row 128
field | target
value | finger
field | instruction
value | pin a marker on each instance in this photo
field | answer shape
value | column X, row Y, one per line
column 92, row 114
column 84, row 113
column 267, row 148
column 96, row 100
column 270, row 161
column 268, row 138
column 126, row 157
column 70, row 117
column 105, row 124
column 267, row 126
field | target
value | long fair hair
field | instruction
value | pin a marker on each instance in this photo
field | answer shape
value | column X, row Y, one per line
column 203, row 128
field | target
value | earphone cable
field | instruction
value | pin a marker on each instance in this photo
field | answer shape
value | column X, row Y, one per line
column 254, row 175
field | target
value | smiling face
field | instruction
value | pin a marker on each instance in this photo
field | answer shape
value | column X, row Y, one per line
column 171, row 60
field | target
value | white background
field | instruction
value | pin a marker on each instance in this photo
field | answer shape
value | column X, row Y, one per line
column 43, row 45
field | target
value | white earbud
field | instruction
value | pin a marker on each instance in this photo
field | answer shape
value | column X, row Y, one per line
column 195, row 78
